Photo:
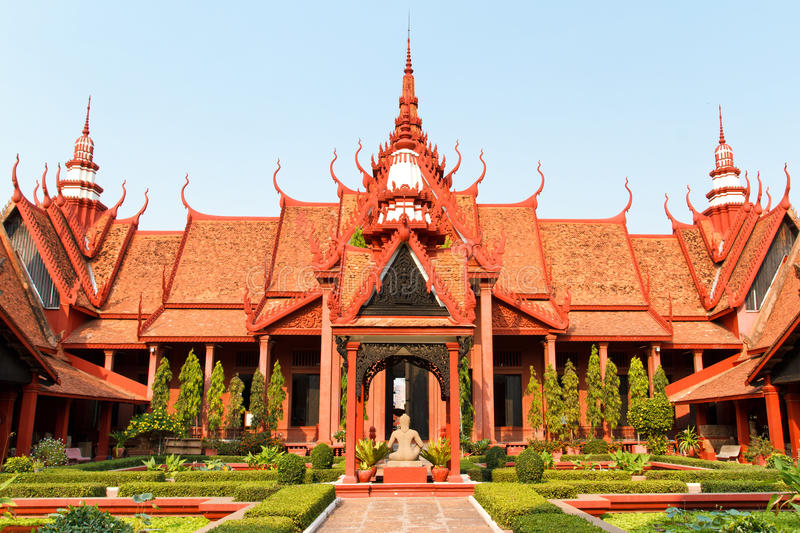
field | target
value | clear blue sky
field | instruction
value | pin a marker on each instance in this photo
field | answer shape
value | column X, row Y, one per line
column 597, row 91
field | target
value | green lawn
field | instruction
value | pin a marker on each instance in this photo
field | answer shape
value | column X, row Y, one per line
column 654, row 522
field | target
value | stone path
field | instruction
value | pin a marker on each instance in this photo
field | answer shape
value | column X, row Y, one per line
column 396, row 515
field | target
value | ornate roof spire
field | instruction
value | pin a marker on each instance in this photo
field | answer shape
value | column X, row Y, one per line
column 408, row 125
column 723, row 154
column 86, row 124
column 83, row 156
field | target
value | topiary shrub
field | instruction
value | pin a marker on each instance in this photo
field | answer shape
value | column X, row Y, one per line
column 86, row 519
column 291, row 469
column 50, row 451
column 595, row 446
column 529, row 466
column 18, row 464
column 321, row 456
column 496, row 457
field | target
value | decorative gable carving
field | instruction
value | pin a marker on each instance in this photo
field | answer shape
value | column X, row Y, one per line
column 403, row 291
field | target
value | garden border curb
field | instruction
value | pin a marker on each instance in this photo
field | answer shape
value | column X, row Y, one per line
column 315, row 525
column 481, row 511
column 568, row 509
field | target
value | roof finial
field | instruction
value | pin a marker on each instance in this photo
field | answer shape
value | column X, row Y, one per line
column 86, row 125
column 721, row 133
column 409, row 70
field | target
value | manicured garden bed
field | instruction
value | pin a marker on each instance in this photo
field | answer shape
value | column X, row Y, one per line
column 164, row 524
column 649, row 522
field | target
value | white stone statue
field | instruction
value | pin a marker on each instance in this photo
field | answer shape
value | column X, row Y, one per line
column 409, row 444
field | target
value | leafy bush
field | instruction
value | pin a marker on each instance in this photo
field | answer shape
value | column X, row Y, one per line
column 264, row 524
column 657, row 444
column 478, row 447
column 567, row 475
column 560, row 490
column 321, row 456
column 529, row 466
column 54, row 490
column 154, row 425
column 538, row 523
column 651, row 417
column 18, row 464
column 86, row 519
column 506, row 502
column 759, row 445
column 291, row 469
column 595, row 446
column 226, row 475
column 549, row 446
column 496, row 457
column 703, row 475
column 632, row 463
column 50, row 451
column 748, row 523
column 741, row 485
column 301, row 503
column 266, row 459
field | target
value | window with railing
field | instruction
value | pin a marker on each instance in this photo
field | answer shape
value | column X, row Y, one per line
column 23, row 245
column 778, row 250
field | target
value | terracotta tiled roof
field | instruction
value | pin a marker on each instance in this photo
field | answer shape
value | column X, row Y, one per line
column 103, row 264
column 451, row 267
column 221, row 257
column 466, row 202
column 292, row 263
column 44, row 227
column 349, row 204
column 523, row 269
column 698, row 256
column 593, row 260
column 141, row 273
column 662, row 262
column 753, row 253
column 614, row 324
column 75, row 382
column 211, row 323
column 505, row 316
column 357, row 266
column 104, row 332
column 730, row 383
column 702, row 333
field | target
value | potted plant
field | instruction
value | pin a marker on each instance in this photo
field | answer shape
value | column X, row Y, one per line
column 120, row 438
column 367, row 455
column 555, row 449
column 438, row 453
column 632, row 463
column 688, row 441
column 210, row 447
column 760, row 448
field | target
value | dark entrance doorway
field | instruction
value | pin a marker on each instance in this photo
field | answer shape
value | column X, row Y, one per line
column 407, row 392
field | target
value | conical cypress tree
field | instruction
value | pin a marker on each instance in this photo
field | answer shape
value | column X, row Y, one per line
column 612, row 403
column 572, row 402
column 187, row 407
column 215, row 409
column 555, row 403
column 258, row 409
column 160, row 398
column 594, row 390
column 637, row 381
column 233, row 421
column 275, row 397
column 534, row 390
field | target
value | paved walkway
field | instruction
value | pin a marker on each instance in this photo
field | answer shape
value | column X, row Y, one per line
column 397, row 515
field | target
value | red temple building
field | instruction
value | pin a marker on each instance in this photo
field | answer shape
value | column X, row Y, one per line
column 399, row 278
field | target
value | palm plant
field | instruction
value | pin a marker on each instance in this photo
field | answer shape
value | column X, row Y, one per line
column 438, row 452
column 547, row 459
column 688, row 441
column 174, row 463
column 633, row 463
column 368, row 454
column 266, row 459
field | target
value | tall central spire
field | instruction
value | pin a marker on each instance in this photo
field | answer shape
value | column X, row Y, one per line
column 408, row 125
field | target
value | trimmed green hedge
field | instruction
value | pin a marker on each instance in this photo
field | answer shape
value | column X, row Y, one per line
column 215, row 488
column 702, row 463
column 128, row 462
column 109, row 479
column 506, row 502
column 564, row 475
column 323, row 475
column 559, row 490
column 509, row 475
column 196, row 476
column 301, row 503
column 264, row 524
column 690, row 476
column 476, row 473
column 628, row 487
column 733, row 485
column 54, row 490
column 594, row 457
column 539, row 523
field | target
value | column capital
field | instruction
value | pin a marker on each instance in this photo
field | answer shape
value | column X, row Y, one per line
column 550, row 337
column 353, row 345
column 603, row 344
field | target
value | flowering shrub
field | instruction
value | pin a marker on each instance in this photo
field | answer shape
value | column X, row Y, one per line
column 155, row 424
column 50, row 451
column 18, row 464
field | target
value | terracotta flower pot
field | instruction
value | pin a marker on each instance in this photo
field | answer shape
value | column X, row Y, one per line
column 557, row 456
column 759, row 460
column 373, row 470
column 210, row 451
column 119, row 452
column 439, row 473
column 364, row 476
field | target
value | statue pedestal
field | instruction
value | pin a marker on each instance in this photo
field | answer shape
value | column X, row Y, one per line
column 405, row 472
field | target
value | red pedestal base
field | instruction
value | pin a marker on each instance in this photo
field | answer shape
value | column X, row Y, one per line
column 405, row 474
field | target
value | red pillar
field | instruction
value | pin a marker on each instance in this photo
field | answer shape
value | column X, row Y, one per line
column 108, row 363
column 653, row 362
column 62, row 419
column 742, row 426
column 151, row 369
column 335, row 392
column 698, row 360
column 487, row 359
column 325, row 372
column 27, row 415
column 603, row 353
column 454, row 416
column 793, row 414
column 359, row 412
column 701, row 415
column 103, row 429
column 350, row 439
column 7, row 399
column 264, row 356
column 208, row 369
column 774, row 415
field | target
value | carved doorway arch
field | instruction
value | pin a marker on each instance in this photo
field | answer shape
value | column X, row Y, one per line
column 373, row 358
